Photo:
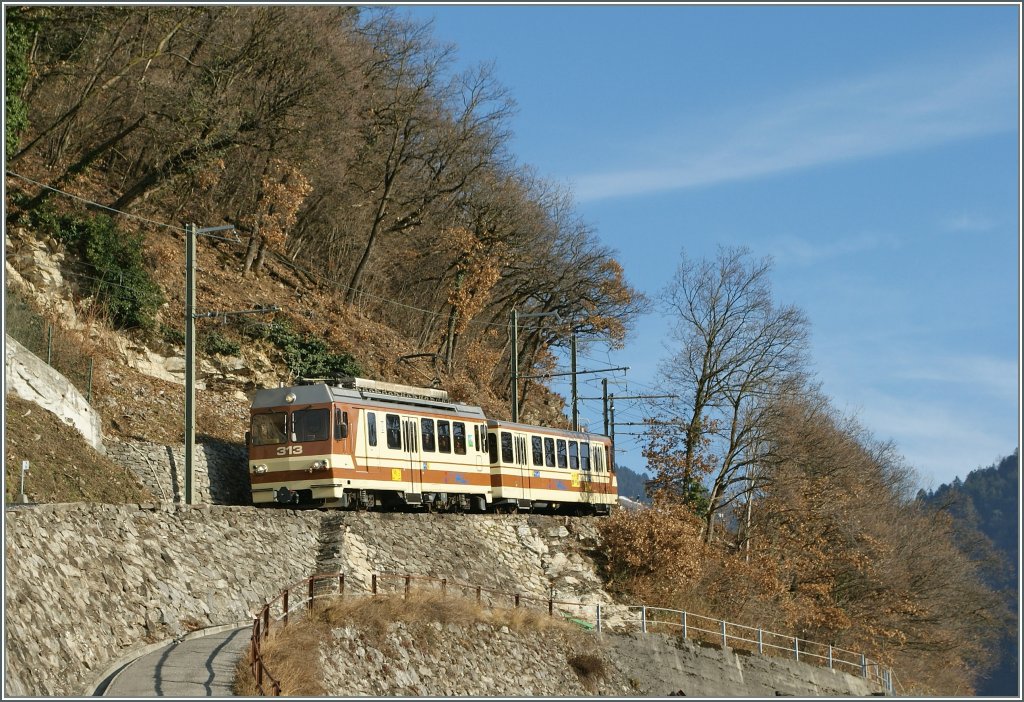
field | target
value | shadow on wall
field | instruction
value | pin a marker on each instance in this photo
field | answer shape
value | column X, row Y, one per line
column 221, row 474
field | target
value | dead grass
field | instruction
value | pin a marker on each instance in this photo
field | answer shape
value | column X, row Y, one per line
column 62, row 466
column 291, row 653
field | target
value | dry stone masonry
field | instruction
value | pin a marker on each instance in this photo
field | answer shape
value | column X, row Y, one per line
column 220, row 470
column 88, row 583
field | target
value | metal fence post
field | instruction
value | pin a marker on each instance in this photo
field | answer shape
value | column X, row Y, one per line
column 599, row 617
column 341, row 584
column 309, row 602
column 760, row 641
column 49, row 344
column 830, row 655
column 407, row 579
column 373, row 584
column 863, row 666
column 643, row 619
column 266, row 622
column 444, row 587
column 285, row 605
column 725, row 641
column 684, row 626
column 796, row 647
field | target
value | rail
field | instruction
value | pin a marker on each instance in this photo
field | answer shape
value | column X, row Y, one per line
column 649, row 620
column 739, row 636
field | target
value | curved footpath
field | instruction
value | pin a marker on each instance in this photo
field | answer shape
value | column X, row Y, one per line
column 197, row 666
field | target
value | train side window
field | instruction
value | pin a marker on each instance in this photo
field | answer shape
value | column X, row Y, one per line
column 562, row 463
column 506, row 447
column 574, row 455
column 492, row 448
column 599, row 459
column 538, row 450
column 340, row 424
column 444, row 436
column 459, row 437
column 549, row 452
column 371, row 428
column 393, row 428
column 585, row 455
column 427, row 430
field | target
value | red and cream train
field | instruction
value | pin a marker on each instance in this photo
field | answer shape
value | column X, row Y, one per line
column 360, row 444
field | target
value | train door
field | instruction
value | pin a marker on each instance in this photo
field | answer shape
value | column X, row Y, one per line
column 371, row 439
column 523, row 465
column 410, row 446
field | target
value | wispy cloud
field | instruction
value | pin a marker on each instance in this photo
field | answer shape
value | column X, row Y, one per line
column 968, row 223
column 998, row 377
column 939, row 441
column 802, row 251
column 899, row 110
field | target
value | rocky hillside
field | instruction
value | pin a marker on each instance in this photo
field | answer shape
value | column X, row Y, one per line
column 138, row 379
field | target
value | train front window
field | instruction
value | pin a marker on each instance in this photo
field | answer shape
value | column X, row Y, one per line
column 311, row 425
column 270, row 428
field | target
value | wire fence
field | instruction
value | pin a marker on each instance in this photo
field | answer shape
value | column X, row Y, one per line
column 691, row 627
column 60, row 349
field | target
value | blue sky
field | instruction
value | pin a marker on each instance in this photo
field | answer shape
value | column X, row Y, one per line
column 872, row 151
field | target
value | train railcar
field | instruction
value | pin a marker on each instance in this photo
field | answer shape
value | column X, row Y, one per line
column 363, row 443
column 359, row 443
column 552, row 470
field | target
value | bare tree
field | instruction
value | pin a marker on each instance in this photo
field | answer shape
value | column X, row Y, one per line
column 735, row 351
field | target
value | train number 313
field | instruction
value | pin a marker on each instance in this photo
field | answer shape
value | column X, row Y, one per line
column 289, row 450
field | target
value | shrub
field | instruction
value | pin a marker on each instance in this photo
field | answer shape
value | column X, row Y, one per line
column 18, row 34
column 306, row 356
column 116, row 269
column 214, row 342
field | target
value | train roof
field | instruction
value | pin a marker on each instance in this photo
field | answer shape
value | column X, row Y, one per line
column 502, row 424
column 382, row 395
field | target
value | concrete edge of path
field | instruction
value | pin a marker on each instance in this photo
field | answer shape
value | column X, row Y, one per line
column 109, row 675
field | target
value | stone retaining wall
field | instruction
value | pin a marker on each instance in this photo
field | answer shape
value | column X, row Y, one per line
column 86, row 583
column 220, row 470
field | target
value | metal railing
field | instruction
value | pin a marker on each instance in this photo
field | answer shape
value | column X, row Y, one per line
column 649, row 620
column 739, row 636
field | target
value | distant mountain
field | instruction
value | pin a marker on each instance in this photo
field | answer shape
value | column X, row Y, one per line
column 989, row 500
column 633, row 484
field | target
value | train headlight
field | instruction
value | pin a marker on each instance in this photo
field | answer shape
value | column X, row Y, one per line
column 319, row 465
column 259, row 469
